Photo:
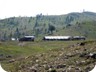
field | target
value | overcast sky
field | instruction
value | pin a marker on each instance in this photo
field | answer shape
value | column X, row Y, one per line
column 10, row 8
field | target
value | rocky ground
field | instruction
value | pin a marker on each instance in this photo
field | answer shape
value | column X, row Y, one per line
column 80, row 57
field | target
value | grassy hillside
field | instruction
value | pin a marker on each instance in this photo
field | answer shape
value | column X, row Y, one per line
column 39, row 25
column 87, row 29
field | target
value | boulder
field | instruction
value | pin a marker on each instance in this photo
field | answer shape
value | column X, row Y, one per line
column 12, row 60
column 82, row 43
column 61, row 66
column 32, row 69
column 52, row 70
column 92, row 55
column 8, row 56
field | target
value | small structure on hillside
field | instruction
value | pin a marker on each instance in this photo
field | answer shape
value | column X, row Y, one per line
column 78, row 38
column 27, row 38
column 57, row 38
column 63, row 38
column 13, row 39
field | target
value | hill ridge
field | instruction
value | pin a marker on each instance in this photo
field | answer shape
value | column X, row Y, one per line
column 39, row 25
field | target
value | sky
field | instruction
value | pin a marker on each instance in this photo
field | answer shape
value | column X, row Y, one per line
column 11, row 8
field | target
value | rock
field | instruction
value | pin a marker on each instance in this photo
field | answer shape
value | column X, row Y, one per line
column 37, row 60
column 8, row 56
column 78, row 69
column 61, row 54
column 27, row 57
column 61, row 66
column 65, row 57
column 45, row 62
column 83, row 62
column 33, row 69
column 83, row 55
column 85, row 49
column 78, row 63
column 64, row 70
column 70, row 69
column 52, row 70
column 12, row 60
column 87, row 69
column 92, row 55
column 70, row 55
column 82, row 44
column 36, row 65
column 22, row 66
column 73, row 69
column 45, row 67
column 77, row 51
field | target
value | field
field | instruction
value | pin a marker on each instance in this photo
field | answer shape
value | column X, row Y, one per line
column 47, row 56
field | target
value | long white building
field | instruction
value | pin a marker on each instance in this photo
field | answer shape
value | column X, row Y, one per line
column 57, row 37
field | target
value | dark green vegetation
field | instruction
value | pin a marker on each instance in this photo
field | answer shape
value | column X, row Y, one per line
column 48, row 56
column 70, row 24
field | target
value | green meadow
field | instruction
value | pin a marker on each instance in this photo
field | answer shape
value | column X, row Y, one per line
column 28, row 48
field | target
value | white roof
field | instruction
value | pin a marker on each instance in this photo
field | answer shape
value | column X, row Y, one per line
column 13, row 39
column 57, row 37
